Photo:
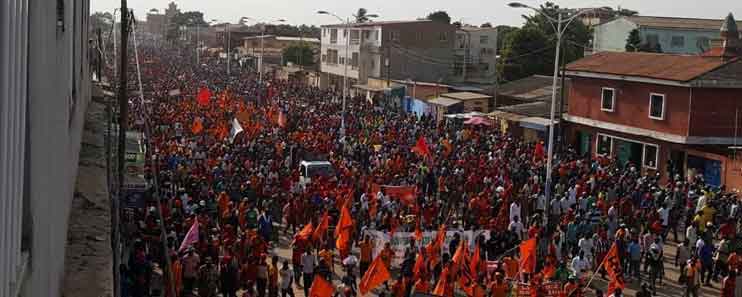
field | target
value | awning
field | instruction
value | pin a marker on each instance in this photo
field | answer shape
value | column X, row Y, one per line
column 536, row 123
column 369, row 88
column 504, row 115
column 467, row 115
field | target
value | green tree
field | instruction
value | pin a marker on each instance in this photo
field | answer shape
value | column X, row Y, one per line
column 361, row 15
column 503, row 32
column 486, row 25
column 299, row 55
column 187, row 19
column 634, row 41
column 457, row 24
column 527, row 51
column 575, row 38
column 439, row 16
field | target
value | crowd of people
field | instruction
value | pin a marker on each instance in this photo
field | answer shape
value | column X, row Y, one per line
column 241, row 191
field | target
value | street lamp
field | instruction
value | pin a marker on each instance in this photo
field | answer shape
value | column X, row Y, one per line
column 345, row 71
column 560, row 28
column 262, row 36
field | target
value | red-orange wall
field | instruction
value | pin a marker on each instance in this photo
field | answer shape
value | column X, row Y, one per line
column 631, row 105
column 713, row 112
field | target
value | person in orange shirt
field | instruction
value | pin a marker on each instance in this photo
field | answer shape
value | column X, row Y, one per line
column 326, row 255
column 499, row 287
column 367, row 248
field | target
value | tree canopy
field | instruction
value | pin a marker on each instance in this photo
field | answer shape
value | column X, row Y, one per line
column 439, row 16
column 361, row 15
column 486, row 25
column 634, row 44
column 299, row 55
column 184, row 19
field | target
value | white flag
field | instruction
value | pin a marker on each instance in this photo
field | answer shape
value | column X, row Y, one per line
column 236, row 129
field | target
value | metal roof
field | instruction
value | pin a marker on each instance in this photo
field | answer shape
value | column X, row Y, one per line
column 671, row 67
column 677, row 23
column 442, row 101
column 464, row 96
column 372, row 24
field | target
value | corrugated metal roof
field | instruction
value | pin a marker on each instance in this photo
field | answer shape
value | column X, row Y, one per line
column 677, row 23
column 466, row 96
column 443, row 101
column 372, row 24
column 532, row 88
column 680, row 68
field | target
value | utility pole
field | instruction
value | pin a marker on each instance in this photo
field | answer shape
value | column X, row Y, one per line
column 123, row 122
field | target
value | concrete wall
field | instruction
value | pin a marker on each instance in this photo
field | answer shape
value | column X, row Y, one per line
column 713, row 112
column 612, row 35
column 58, row 94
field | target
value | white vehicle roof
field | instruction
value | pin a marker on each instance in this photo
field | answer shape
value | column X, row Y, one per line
column 315, row 163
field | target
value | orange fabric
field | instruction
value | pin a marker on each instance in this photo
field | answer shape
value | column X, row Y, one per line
column 376, row 274
column 444, row 287
column 343, row 242
column 612, row 265
column 421, row 148
column 475, row 262
column 528, row 255
column 203, row 96
column 177, row 276
column 345, row 221
column 197, row 126
column 367, row 248
column 433, row 249
column 422, row 286
column 305, row 232
column 419, row 267
column 322, row 228
column 511, row 267
column 282, row 119
column 418, row 231
column 499, row 289
column 321, row 288
column 459, row 257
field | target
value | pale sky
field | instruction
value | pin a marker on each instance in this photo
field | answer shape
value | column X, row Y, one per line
column 473, row 12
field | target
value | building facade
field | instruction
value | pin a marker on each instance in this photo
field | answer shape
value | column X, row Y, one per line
column 670, row 35
column 420, row 50
column 45, row 89
column 475, row 54
column 273, row 46
column 666, row 114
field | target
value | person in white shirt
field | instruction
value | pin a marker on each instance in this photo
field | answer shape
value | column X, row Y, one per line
column 586, row 247
column 691, row 234
column 579, row 265
column 514, row 210
column 308, row 262
column 664, row 213
column 517, row 227
column 287, row 279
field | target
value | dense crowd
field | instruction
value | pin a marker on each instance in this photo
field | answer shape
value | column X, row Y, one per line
column 241, row 191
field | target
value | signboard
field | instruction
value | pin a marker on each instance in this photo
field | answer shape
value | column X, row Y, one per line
column 402, row 240
column 552, row 289
column 134, row 195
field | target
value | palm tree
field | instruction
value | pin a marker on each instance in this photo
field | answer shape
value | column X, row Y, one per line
column 361, row 15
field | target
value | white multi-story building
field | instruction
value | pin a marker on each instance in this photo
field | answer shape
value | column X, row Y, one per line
column 421, row 50
column 44, row 91
column 476, row 54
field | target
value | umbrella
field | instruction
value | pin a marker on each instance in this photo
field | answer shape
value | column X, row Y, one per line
column 478, row 121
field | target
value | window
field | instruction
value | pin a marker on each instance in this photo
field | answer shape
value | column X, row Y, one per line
column 484, row 39
column 443, row 36
column 650, row 156
column 653, row 40
column 605, row 143
column 677, row 41
column 703, row 43
column 342, row 60
column 324, row 57
column 354, row 61
column 395, row 35
column 333, row 35
column 345, row 33
column 657, row 106
column 366, row 34
column 608, row 99
column 355, row 37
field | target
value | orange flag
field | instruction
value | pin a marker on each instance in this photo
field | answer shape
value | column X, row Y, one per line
column 459, row 257
column 281, row 119
column 442, row 286
column 475, row 262
column 376, row 275
column 305, row 232
column 203, row 96
column 324, row 223
column 612, row 265
column 321, row 288
column 447, row 147
column 419, row 268
column 528, row 255
column 433, row 249
column 197, row 126
column 345, row 221
column 418, row 231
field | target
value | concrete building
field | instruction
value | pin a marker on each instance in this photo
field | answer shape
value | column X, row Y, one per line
column 45, row 89
column 157, row 23
column 672, row 35
column 663, row 113
column 475, row 54
column 273, row 46
column 421, row 50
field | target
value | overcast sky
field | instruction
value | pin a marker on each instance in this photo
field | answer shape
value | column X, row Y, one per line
column 469, row 11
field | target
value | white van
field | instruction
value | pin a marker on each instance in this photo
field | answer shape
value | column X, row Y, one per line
column 310, row 169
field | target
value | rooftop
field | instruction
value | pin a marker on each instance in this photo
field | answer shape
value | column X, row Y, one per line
column 476, row 29
column 284, row 38
column 380, row 23
column 442, row 101
column 681, row 68
column 677, row 23
column 464, row 96
column 532, row 88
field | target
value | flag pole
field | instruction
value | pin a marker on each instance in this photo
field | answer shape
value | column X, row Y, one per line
column 593, row 276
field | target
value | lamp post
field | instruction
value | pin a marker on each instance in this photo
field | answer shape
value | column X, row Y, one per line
column 347, row 24
column 560, row 28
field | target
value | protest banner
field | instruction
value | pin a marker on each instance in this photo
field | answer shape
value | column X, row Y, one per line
column 401, row 241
